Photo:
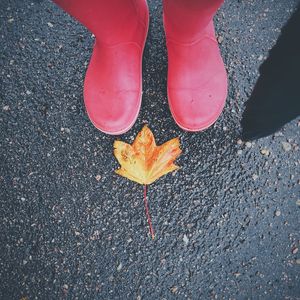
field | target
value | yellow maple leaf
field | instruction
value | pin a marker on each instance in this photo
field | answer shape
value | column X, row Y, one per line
column 144, row 161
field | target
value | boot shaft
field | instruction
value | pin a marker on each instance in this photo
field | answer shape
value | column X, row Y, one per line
column 111, row 21
column 185, row 20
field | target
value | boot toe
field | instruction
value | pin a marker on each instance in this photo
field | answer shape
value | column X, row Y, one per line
column 196, row 109
column 114, row 112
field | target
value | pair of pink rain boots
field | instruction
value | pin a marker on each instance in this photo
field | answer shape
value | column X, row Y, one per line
column 197, row 79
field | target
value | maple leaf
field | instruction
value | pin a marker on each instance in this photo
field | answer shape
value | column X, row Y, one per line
column 144, row 161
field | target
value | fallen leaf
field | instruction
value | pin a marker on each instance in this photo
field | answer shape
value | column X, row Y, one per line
column 144, row 161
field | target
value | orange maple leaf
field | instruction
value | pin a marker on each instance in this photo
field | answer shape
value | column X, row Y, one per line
column 144, row 161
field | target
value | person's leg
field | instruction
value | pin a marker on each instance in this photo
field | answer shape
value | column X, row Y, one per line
column 197, row 80
column 113, row 83
column 185, row 18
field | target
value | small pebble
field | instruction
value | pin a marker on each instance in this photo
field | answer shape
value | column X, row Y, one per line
column 50, row 24
column 6, row 107
column 286, row 146
column 298, row 261
column 67, row 130
column 279, row 133
column 248, row 144
column 277, row 213
column 98, row 177
column 174, row 289
column 185, row 239
column 265, row 152
column 220, row 39
column 295, row 250
column 298, row 202
column 119, row 268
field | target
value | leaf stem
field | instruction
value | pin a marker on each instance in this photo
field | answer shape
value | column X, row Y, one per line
column 147, row 213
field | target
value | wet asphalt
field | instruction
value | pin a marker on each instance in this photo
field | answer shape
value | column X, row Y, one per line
column 227, row 223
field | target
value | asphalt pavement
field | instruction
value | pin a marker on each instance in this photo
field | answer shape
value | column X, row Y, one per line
column 227, row 223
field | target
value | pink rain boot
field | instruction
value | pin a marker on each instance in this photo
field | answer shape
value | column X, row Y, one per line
column 197, row 79
column 113, row 82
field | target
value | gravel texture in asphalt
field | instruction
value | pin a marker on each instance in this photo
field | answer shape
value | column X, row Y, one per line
column 227, row 223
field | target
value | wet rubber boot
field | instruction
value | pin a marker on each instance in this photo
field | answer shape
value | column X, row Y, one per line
column 113, row 82
column 197, row 79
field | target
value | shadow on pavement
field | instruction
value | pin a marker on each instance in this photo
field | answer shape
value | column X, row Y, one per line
column 275, row 99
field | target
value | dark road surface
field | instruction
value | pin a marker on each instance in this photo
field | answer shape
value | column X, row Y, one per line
column 227, row 223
